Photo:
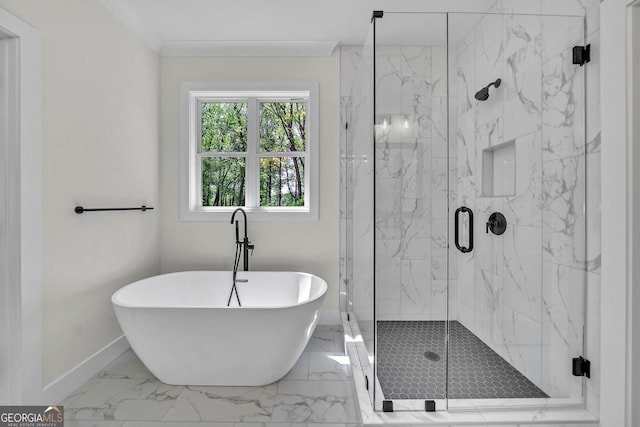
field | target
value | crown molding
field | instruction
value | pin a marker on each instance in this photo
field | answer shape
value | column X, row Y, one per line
column 130, row 18
column 248, row 48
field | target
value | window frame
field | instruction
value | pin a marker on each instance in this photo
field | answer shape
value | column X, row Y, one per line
column 192, row 95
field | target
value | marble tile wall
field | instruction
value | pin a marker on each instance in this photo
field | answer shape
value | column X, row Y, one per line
column 411, row 171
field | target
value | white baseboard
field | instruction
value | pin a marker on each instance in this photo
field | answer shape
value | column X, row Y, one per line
column 55, row 392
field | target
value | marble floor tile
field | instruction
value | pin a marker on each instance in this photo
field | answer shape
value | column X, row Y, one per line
column 92, row 423
column 126, row 365
column 315, row 393
column 80, row 391
column 300, row 370
column 326, row 340
column 295, row 425
column 187, row 424
column 180, row 424
column 329, row 366
column 314, row 401
column 124, row 399
column 246, row 404
column 335, row 328
column 223, row 424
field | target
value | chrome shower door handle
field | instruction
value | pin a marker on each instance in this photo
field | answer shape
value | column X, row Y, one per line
column 469, row 248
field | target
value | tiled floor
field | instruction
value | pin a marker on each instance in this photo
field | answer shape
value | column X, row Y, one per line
column 475, row 371
column 126, row 394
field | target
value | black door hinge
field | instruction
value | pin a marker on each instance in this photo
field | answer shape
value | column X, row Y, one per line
column 581, row 367
column 366, row 382
column 581, row 54
column 376, row 14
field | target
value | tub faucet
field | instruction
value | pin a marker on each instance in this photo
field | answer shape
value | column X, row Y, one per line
column 245, row 244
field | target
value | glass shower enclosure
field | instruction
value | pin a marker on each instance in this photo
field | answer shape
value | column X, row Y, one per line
column 463, row 192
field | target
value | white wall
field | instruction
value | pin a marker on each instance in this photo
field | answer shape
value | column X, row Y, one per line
column 300, row 246
column 100, row 148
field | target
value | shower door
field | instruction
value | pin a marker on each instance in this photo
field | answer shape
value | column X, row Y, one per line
column 517, row 162
column 479, row 235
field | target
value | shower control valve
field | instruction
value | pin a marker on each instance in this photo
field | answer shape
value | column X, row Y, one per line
column 497, row 223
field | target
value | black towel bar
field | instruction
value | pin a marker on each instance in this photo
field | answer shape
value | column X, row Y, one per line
column 80, row 209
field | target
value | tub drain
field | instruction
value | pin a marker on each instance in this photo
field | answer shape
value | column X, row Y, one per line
column 430, row 355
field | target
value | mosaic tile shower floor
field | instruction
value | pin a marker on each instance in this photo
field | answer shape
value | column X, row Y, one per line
column 412, row 364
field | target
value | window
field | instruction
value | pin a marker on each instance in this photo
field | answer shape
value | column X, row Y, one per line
column 253, row 147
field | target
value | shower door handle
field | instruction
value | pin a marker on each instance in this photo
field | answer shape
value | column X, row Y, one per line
column 463, row 209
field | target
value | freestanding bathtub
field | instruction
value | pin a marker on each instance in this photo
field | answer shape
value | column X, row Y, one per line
column 179, row 324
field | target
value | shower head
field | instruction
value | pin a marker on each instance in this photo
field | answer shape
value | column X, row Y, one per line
column 483, row 94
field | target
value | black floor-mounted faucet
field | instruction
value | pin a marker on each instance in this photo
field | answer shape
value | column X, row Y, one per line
column 242, row 248
column 245, row 244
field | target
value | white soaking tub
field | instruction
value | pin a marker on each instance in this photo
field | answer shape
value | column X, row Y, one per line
column 179, row 324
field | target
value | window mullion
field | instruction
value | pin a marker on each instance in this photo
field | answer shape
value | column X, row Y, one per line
column 251, row 163
column 198, row 175
column 282, row 154
column 223, row 154
column 196, row 150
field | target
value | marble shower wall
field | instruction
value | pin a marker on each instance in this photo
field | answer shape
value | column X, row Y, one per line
column 411, row 171
column 523, row 293
column 411, row 179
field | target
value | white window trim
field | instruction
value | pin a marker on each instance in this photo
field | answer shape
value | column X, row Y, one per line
column 190, row 194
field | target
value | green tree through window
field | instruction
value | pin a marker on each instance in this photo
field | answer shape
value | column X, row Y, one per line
column 280, row 153
column 282, row 135
column 224, row 131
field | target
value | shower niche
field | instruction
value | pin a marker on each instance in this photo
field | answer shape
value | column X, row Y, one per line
column 499, row 170
column 424, row 135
